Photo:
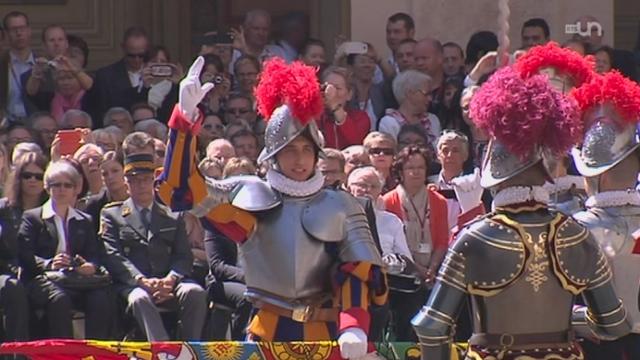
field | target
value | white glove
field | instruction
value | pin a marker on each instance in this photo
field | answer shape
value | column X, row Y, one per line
column 192, row 91
column 158, row 93
column 468, row 190
column 353, row 343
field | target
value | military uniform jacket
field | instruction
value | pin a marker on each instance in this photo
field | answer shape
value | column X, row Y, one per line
column 132, row 250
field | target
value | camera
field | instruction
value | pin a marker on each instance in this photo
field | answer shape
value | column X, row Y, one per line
column 218, row 79
column 161, row 70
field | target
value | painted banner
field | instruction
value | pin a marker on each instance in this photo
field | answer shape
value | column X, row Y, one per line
column 225, row 350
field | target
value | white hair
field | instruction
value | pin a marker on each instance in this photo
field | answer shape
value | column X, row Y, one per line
column 366, row 170
column 406, row 81
column 61, row 168
column 252, row 14
column 64, row 123
column 106, row 120
column 449, row 135
column 153, row 127
column 24, row 148
column 86, row 148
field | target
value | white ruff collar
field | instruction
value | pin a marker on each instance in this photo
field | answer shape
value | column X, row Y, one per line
column 564, row 183
column 520, row 194
column 295, row 188
column 614, row 198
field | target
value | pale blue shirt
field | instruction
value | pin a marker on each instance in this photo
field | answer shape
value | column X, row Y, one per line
column 17, row 67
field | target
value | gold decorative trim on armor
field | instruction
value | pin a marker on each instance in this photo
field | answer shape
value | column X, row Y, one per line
column 452, row 282
column 540, row 262
column 498, row 243
column 617, row 315
column 519, row 209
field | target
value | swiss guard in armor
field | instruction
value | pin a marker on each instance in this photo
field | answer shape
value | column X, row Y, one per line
column 610, row 161
column 566, row 70
column 311, row 266
column 522, row 264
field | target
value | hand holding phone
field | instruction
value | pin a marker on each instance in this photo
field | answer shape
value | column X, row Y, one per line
column 70, row 141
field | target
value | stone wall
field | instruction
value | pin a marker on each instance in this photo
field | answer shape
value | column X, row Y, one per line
column 456, row 20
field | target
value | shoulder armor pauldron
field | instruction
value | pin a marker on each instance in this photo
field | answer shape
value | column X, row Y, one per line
column 254, row 196
column 490, row 241
column 324, row 216
column 608, row 230
column 574, row 257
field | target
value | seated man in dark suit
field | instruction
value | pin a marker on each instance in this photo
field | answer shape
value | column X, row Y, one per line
column 149, row 256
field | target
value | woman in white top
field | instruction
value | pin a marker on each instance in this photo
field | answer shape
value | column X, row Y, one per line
column 367, row 181
column 412, row 89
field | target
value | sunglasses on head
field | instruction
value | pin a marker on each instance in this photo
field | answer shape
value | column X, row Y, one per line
column 381, row 151
column 29, row 175
column 59, row 185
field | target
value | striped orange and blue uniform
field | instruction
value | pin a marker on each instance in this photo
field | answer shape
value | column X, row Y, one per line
column 355, row 285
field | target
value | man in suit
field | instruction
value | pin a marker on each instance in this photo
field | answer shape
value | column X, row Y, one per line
column 120, row 84
column 18, row 60
column 149, row 256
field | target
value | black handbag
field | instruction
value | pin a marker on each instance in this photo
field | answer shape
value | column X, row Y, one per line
column 73, row 280
column 400, row 274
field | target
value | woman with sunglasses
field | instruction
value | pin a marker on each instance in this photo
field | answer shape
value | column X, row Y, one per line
column 24, row 191
column 412, row 89
column 212, row 128
column 381, row 148
column 57, row 238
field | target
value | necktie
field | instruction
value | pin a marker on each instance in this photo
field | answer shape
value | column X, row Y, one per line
column 146, row 221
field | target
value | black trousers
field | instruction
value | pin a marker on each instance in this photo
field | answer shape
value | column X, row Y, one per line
column 404, row 306
column 231, row 295
column 13, row 299
column 613, row 350
column 98, row 305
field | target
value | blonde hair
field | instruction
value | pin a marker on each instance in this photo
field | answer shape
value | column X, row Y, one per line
column 238, row 166
column 377, row 135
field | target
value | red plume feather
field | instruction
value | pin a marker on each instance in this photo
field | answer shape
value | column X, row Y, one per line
column 578, row 67
column 614, row 88
column 524, row 114
column 295, row 85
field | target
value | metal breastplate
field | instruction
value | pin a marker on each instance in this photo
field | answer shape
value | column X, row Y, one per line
column 282, row 259
column 613, row 228
column 534, row 301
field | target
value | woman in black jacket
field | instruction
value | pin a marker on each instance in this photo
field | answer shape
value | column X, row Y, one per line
column 56, row 239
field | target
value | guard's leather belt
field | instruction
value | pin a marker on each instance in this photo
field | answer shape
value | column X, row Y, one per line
column 301, row 313
column 515, row 340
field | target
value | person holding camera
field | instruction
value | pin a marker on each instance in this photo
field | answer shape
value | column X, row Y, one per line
column 42, row 83
column 341, row 125
column 61, row 256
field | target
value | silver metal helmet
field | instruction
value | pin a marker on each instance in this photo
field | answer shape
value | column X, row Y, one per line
column 282, row 128
column 607, row 141
column 500, row 165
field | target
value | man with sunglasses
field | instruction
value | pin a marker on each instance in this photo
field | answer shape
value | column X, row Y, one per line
column 120, row 84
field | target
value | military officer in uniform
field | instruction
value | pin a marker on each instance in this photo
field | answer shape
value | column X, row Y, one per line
column 149, row 256
column 610, row 161
column 522, row 264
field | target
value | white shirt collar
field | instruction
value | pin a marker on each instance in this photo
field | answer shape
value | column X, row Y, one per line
column 48, row 212
column 15, row 59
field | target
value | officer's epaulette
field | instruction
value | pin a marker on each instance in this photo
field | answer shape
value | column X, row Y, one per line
column 112, row 204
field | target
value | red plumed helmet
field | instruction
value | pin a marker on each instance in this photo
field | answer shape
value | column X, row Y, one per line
column 580, row 69
column 294, row 85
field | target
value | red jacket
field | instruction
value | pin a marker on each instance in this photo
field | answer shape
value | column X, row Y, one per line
column 352, row 132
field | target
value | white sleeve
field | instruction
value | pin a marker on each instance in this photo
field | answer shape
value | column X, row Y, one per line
column 399, row 238
column 435, row 128
column 388, row 124
column 468, row 81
